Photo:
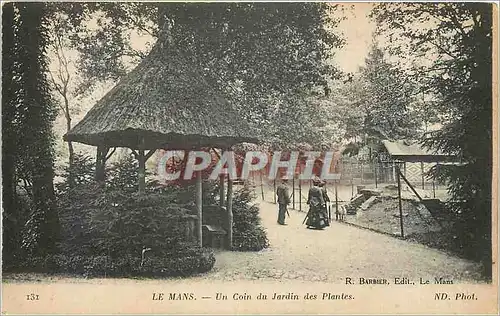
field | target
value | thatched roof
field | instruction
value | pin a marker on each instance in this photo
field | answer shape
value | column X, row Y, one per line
column 164, row 102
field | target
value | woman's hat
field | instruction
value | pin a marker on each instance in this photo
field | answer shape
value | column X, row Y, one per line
column 316, row 180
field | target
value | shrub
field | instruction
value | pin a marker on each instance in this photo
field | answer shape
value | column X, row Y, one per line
column 82, row 170
column 122, row 223
column 191, row 261
column 248, row 234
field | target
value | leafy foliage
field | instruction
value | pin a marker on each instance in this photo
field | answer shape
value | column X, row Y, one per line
column 457, row 38
column 82, row 170
column 259, row 55
column 27, row 116
column 379, row 102
column 248, row 234
column 123, row 223
column 192, row 260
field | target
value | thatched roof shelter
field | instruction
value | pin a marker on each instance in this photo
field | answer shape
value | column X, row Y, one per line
column 164, row 102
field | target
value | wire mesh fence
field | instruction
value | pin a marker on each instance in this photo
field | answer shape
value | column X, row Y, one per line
column 355, row 175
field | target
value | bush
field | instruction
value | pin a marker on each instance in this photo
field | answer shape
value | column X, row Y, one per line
column 248, row 234
column 192, row 260
column 122, row 223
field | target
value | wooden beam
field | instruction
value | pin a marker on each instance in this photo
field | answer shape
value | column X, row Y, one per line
column 98, row 160
column 222, row 178
column 216, row 153
column 300, row 195
column 261, row 186
column 110, row 154
column 100, row 168
column 135, row 153
column 229, row 214
column 409, row 185
column 199, row 206
column 222, row 193
column 274, row 190
column 336, row 199
column 150, row 153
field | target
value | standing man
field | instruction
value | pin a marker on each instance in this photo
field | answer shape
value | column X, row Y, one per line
column 283, row 200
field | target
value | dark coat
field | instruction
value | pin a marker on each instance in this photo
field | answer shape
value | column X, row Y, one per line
column 282, row 193
column 315, row 197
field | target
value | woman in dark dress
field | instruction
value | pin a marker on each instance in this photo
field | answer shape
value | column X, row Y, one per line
column 318, row 216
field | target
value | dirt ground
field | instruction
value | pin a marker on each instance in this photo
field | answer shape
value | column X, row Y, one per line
column 329, row 255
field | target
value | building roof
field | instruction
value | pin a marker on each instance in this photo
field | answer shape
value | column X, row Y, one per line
column 404, row 151
column 164, row 102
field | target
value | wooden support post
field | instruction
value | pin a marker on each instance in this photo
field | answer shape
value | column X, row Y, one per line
column 422, row 172
column 222, row 198
column 400, row 204
column 336, row 199
column 362, row 172
column 293, row 191
column 229, row 214
column 100, row 164
column 376, row 174
column 433, row 189
column 393, row 172
column 300, row 195
column 142, row 170
column 199, row 207
column 352, row 185
column 274, row 190
column 262, row 186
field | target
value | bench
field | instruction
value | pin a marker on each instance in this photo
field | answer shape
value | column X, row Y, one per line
column 213, row 236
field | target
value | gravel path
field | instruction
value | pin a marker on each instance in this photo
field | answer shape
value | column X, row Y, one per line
column 334, row 253
column 328, row 255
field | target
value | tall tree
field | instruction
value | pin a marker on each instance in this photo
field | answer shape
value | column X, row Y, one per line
column 30, row 113
column 457, row 40
column 60, row 81
column 11, row 226
column 388, row 110
column 252, row 52
column 378, row 102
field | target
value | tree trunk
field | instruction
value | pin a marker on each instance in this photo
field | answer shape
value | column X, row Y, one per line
column 9, row 149
column 71, row 180
column 39, row 114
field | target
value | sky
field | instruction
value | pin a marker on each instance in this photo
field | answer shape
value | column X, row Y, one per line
column 358, row 31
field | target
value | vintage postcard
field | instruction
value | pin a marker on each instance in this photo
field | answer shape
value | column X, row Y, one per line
column 249, row 158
